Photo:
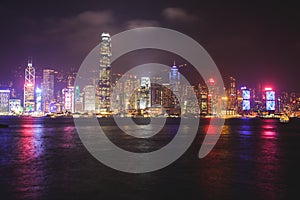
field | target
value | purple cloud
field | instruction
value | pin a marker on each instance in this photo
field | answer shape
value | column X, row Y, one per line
column 178, row 15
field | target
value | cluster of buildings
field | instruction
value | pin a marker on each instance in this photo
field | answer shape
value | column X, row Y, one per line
column 139, row 95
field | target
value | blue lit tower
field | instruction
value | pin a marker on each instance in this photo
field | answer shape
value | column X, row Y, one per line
column 174, row 78
column 246, row 105
column 174, row 81
column 29, row 85
column 270, row 99
column 38, row 94
column 103, row 86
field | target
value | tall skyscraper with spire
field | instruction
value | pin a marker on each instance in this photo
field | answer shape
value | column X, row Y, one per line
column 29, row 86
column 174, row 78
column 104, row 83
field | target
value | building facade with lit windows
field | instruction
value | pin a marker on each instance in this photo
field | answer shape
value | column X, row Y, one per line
column 145, row 93
column 103, row 89
column 68, row 99
column 48, row 89
column 89, row 98
column 15, row 106
column 4, row 101
column 203, row 98
column 232, row 96
column 213, row 97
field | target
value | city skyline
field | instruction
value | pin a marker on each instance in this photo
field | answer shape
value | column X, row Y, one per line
column 261, row 48
column 149, row 92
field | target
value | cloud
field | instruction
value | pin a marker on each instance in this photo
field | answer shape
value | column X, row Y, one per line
column 86, row 23
column 178, row 15
column 80, row 33
column 73, row 37
column 137, row 23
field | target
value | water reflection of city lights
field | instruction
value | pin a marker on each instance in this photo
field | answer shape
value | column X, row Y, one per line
column 30, row 173
column 269, row 131
column 245, row 130
column 269, row 134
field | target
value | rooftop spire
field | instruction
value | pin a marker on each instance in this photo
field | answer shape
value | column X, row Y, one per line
column 29, row 61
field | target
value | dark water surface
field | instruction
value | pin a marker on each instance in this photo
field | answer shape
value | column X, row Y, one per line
column 254, row 159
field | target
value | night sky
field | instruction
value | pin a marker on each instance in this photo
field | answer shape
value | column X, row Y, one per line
column 252, row 41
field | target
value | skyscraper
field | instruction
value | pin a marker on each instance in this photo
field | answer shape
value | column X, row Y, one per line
column 29, row 85
column 232, row 95
column 89, row 98
column 156, row 89
column 174, row 81
column 4, row 101
column 203, row 90
column 246, row 95
column 174, row 78
column 38, row 94
column 270, row 99
column 47, row 88
column 103, row 86
column 68, row 99
column 213, row 96
column 145, row 93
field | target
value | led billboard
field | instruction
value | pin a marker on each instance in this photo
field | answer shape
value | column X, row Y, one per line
column 246, row 105
column 246, row 94
column 270, row 105
column 270, row 95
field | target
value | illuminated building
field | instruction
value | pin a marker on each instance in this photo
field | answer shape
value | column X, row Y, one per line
column 4, row 101
column 89, row 98
column 38, row 95
column 15, row 106
column 270, row 99
column 190, row 106
column 47, row 88
column 203, row 92
column 212, row 97
column 174, row 81
column 258, row 102
column 29, row 101
column 166, row 97
column 174, row 78
column 68, row 97
column 78, row 100
column 55, row 107
column 232, row 95
column 156, row 91
column 246, row 105
column 156, row 96
column 133, row 83
column 145, row 93
column 103, row 86
column 77, row 93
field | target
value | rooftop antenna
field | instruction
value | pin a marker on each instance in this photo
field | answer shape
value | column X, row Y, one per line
column 29, row 61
